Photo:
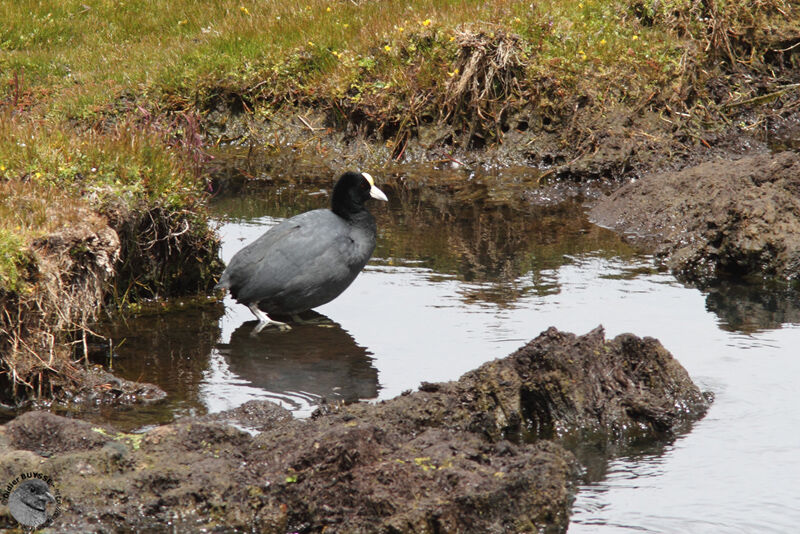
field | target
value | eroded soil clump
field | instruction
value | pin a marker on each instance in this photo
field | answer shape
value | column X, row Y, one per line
column 451, row 457
column 726, row 217
column 106, row 260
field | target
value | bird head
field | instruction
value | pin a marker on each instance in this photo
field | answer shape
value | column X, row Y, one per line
column 351, row 191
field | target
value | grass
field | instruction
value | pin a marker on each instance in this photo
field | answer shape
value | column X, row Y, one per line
column 12, row 261
column 80, row 56
column 54, row 177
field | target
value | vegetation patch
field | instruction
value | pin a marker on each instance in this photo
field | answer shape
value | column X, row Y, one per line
column 388, row 68
column 88, row 218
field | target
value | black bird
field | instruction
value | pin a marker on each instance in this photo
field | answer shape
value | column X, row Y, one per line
column 309, row 259
column 28, row 502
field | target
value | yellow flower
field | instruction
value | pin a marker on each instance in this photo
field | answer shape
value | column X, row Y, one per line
column 311, row 43
column 244, row 10
column 602, row 41
column 635, row 37
column 426, row 22
column 2, row 167
column 387, row 48
column 452, row 38
column 451, row 74
column 400, row 29
column 328, row 9
column 580, row 6
column 517, row 20
column 345, row 25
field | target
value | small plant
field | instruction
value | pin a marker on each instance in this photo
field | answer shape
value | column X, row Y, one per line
column 13, row 262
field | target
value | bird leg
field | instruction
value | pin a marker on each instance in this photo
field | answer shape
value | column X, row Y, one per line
column 264, row 319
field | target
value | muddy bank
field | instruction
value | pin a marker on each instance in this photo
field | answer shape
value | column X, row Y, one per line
column 112, row 259
column 678, row 171
column 482, row 454
column 584, row 148
column 721, row 218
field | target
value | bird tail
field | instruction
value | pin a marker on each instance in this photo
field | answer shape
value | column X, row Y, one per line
column 224, row 283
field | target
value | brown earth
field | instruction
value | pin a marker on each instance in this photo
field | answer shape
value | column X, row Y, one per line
column 720, row 218
column 482, row 454
column 105, row 261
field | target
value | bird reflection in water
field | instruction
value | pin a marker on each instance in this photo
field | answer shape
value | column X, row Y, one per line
column 317, row 360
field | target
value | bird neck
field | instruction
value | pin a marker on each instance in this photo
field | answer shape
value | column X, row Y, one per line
column 349, row 211
column 357, row 218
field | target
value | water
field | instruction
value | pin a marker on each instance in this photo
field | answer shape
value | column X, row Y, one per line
column 454, row 284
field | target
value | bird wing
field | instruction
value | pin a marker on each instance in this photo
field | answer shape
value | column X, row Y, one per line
column 246, row 262
column 303, row 252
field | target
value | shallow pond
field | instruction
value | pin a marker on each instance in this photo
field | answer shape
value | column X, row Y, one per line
column 464, row 273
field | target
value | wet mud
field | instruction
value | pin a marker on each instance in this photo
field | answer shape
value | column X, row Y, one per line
column 730, row 218
column 483, row 454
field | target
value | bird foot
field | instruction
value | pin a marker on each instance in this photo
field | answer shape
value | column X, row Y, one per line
column 281, row 327
column 264, row 320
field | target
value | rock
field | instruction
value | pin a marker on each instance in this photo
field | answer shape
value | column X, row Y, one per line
column 482, row 454
column 556, row 385
column 47, row 434
column 252, row 415
column 718, row 218
column 98, row 386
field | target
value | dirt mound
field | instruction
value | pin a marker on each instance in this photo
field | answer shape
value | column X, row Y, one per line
column 252, row 415
column 47, row 434
column 558, row 384
column 96, row 386
column 465, row 456
column 66, row 278
column 718, row 218
column 101, row 262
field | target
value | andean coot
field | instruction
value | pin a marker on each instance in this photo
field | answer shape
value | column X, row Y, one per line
column 309, row 259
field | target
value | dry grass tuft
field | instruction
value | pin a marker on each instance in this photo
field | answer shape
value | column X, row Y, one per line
column 485, row 77
column 63, row 292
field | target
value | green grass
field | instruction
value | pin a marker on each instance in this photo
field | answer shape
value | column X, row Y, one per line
column 78, row 60
column 56, row 177
column 12, row 261
column 80, row 55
